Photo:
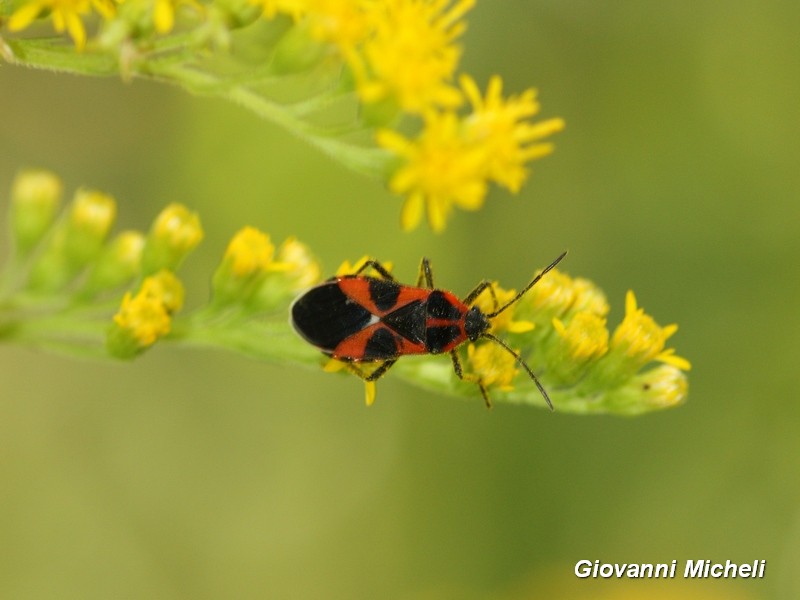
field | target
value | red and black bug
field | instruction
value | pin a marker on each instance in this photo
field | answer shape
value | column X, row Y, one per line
column 360, row 319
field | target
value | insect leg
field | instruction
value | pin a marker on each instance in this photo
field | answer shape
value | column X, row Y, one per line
column 375, row 375
column 376, row 266
column 469, row 377
column 425, row 274
column 473, row 295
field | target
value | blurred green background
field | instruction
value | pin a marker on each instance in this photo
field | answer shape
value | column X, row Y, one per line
column 206, row 475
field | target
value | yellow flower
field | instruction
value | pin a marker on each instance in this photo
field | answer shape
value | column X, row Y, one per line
column 177, row 227
column 165, row 288
column 344, row 23
column 163, row 15
column 249, row 252
column 588, row 297
column 493, row 365
column 440, row 169
column 499, row 126
column 585, row 336
column 242, row 274
column 453, row 159
column 578, row 343
column 302, row 268
column 551, row 297
column 664, row 386
column 93, row 213
column 35, row 196
column 410, row 56
column 175, row 232
column 119, row 262
column 641, row 339
column 66, row 15
column 146, row 317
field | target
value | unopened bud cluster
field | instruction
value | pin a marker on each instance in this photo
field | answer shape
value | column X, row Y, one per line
column 70, row 278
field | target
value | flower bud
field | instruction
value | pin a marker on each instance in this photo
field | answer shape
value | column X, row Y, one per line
column 146, row 317
column 77, row 239
column 173, row 235
column 244, row 266
column 35, row 196
column 119, row 263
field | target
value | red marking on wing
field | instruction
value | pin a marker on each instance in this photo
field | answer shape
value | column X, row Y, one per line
column 352, row 348
column 357, row 288
column 453, row 299
column 409, row 347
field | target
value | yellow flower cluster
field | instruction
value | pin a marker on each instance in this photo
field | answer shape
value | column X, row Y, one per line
column 584, row 352
column 404, row 54
column 454, row 158
column 445, row 141
column 245, row 278
column 145, row 317
column 68, row 15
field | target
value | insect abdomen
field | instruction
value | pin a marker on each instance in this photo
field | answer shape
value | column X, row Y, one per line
column 324, row 316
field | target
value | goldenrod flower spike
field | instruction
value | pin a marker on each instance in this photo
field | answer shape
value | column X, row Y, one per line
column 60, row 298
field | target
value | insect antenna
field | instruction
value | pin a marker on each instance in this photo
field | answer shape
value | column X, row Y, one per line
column 525, row 289
column 518, row 358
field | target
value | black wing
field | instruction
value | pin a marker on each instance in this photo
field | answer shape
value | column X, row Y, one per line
column 324, row 316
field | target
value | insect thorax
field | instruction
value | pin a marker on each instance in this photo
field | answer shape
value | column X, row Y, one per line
column 475, row 323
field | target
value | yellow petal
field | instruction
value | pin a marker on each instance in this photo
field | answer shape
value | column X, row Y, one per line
column 630, row 303
column 369, row 392
column 163, row 16
column 24, row 16
column 76, row 30
column 520, row 326
column 669, row 357
column 333, row 366
column 411, row 214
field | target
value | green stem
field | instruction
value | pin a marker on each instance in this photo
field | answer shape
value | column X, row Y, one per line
column 173, row 67
column 370, row 161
